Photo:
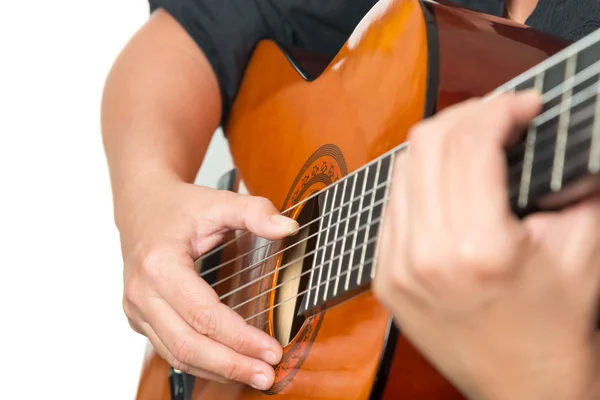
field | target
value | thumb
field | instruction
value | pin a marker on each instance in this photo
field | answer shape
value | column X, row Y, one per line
column 258, row 215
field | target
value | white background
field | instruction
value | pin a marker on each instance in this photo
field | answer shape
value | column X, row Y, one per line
column 63, row 333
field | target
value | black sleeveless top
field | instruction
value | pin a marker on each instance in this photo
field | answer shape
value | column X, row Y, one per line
column 228, row 30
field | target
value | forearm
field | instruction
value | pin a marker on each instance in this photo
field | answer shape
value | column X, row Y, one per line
column 570, row 377
column 159, row 110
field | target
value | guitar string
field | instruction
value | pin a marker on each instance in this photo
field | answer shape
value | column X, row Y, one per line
column 561, row 56
column 256, row 264
column 373, row 239
column 554, row 112
column 570, row 167
column 365, row 167
column 347, row 271
column 575, row 137
column 338, row 208
column 570, row 145
column 354, row 267
column 300, row 258
column 330, row 244
column 579, row 98
column 557, row 58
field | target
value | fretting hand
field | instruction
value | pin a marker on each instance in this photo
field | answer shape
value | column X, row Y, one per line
column 505, row 308
column 168, row 302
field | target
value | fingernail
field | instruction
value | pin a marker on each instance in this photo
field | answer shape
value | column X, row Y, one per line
column 269, row 357
column 259, row 381
column 530, row 94
column 286, row 222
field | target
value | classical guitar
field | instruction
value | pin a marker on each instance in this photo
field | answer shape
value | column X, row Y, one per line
column 318, row 136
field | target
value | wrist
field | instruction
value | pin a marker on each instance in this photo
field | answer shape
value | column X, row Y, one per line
column 133, row 189
column 575, row 377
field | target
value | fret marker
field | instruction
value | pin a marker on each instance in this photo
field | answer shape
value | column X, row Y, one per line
column 525, row 183
column 563, row 125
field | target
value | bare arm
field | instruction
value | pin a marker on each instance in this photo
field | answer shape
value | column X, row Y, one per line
column 160, row 108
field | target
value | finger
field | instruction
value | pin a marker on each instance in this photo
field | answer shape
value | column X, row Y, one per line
column 191, row 348
column 395, row 284
column 475, row 192
column 198, row 304
column 161, row 349
column 458, row 200
column 506, row 115
column 574, row 233
column 476, row 164
column 255, row 214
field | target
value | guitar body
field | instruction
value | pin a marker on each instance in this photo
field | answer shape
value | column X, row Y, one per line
column 301, row 123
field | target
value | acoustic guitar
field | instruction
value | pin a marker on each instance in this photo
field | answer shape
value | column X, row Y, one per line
column 318, row 137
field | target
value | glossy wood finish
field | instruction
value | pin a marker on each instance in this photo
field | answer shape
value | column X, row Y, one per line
column 282, row 128
column 478, row 53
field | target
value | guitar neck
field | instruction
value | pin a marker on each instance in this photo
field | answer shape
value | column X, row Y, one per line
column 560, row 147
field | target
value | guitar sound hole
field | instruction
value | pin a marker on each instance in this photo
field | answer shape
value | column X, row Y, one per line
column 296, row 261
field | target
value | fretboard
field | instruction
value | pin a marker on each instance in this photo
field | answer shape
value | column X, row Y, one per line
column 561, row 146
column 351, row 211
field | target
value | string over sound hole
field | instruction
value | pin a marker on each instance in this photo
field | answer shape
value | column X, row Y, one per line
column 293, row 275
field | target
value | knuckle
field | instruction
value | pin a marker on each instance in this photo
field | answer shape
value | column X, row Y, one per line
column 205, row 321
column 239, row 341
column 262, row 203
column 151, row 263
column 134, row 326
column 231, row 370
column 418, row 133
column 130, row 295
column 425, row 264
column 397, row 280
column 127, row 305
column 183, row 351
column 482, row 258
column 380, row 286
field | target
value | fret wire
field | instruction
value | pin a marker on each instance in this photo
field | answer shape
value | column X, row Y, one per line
column 354, row 237
column 529, row 152
column 594, row 158
column 563, row 127
column 339, row 268
column 577, row 47
column 571, row 167
column 292, row 262
column 587, row 94
column 383, row 208
column 337, row 228
column 327, row 229
column 300, row 275
column 575, row 138
column 255, row 264
column 553, row 112
column 312, row 270
column 293, row 297
column 363, row 252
